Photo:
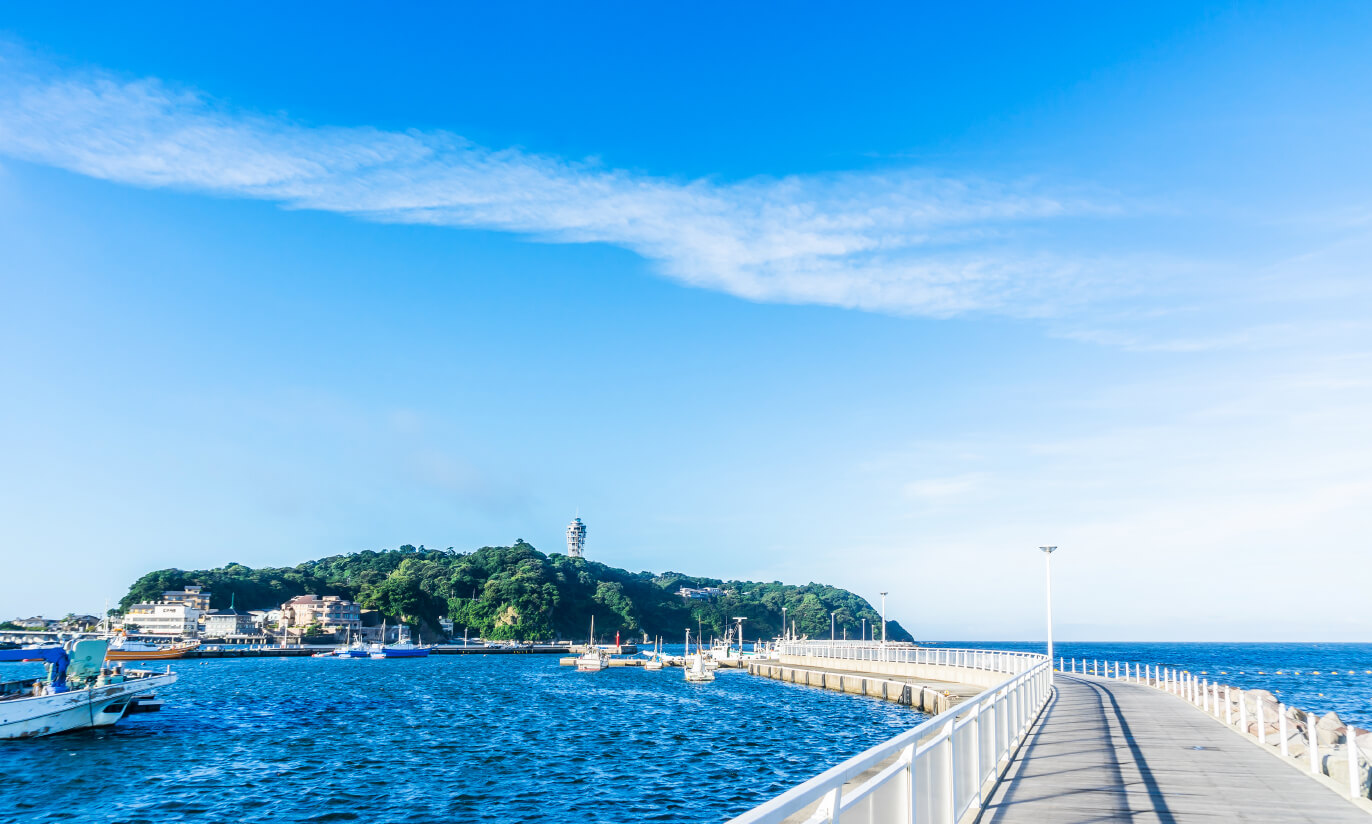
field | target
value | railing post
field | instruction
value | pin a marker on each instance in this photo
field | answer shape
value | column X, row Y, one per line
column 1243, row 714
column 1228, row 707
column 1281, row 730
column 1262, row 722
column 1312, row 742
column 1354, row 774
column 951, row 789
column 912, row 796
column 829, row 806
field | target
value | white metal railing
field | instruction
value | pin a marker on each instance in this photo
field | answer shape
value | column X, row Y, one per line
column 1228, row 706
column 933, row 773
column 1006, row 661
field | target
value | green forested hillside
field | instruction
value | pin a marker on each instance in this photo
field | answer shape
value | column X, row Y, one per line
column 517, row 592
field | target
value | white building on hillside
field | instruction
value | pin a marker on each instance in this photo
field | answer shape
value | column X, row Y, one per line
column 576, row 539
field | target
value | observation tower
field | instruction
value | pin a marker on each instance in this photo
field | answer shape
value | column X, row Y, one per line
column 576, row 539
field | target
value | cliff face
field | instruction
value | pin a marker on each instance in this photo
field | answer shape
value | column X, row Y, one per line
column 517, row 592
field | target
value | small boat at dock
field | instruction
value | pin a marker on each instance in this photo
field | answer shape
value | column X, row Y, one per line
column 123, row 649
column 593, row 659
column 654, row 662
column 402, row 648
column 697, row 669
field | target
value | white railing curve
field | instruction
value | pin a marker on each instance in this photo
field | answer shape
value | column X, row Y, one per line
column 936, row 772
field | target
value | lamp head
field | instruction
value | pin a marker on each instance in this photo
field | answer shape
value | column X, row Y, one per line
column 1048, row 549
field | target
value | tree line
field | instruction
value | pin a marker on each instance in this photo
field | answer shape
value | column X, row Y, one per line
column 518, row 593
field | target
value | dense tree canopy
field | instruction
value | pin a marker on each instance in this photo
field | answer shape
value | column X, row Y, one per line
column 517, row 592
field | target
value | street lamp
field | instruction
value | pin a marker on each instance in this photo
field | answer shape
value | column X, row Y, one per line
column 864, row 630
column 883, row 619
column 831, row 626
column 1048, row 574
column 784, row 634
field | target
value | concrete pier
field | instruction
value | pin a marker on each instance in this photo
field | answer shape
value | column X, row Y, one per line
column 1106, row 750
column 1039, row 747
column 923, row 694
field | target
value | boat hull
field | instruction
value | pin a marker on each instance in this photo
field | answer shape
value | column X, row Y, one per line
column 402, row 653
column 115, row 654
column 74, row 710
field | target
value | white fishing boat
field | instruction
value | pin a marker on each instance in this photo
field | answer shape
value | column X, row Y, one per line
column 77, row 692
column 593, row 659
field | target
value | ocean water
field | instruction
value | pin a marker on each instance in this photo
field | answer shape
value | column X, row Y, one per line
column 443, row 739
column 519, row 738
column 1314, row 677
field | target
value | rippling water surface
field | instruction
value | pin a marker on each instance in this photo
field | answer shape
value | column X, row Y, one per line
column 448, row 738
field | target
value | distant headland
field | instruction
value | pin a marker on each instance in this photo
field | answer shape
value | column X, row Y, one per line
column 518, row 593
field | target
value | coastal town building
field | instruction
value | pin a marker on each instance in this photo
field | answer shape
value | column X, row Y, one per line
column 700, row 593
column 162, row 618
column 192, row 596
column 225, row 622
column 331, row 612
column 576, row 539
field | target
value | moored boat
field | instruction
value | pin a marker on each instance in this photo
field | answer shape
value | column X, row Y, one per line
column 654, row 662
column 593, row 659
column 77, row 692
column 122, row 649
column 402, row 648
column 698, row 669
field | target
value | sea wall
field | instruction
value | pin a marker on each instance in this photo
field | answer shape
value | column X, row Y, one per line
column 929, row 672
column 918, row 697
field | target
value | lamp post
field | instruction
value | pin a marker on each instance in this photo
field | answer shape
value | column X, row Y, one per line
column 784, row 634
column 831, row 626
column 1048, row 575
column 883, row 619
column 740, row 619
column 864, row 630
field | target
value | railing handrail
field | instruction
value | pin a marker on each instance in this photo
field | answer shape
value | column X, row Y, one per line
column 1007, row 661
column 921, row 741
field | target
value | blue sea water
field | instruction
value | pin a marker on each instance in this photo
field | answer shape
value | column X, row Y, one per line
column 519, row 738
column 447, row 738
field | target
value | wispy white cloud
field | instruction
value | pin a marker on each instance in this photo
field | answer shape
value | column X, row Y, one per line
column 899, row 241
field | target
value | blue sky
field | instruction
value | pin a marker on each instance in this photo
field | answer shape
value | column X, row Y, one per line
column 883, row 298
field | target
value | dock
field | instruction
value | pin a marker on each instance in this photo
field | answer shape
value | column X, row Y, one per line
column 1107, row 750
column 1139, row 743
column 924, row 694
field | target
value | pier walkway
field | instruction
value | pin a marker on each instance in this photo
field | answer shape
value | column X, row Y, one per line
column 1107, row 750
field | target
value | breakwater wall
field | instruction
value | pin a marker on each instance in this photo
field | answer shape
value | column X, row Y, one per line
column 917, row 696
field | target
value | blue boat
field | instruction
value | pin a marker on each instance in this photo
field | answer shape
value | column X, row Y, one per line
column 402, row 648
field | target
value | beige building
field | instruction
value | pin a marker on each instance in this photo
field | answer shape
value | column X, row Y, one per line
column 329, row 611
column 193, row 597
